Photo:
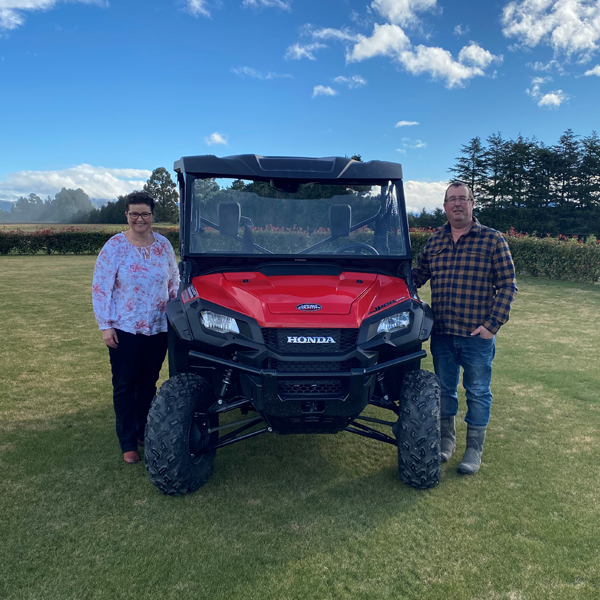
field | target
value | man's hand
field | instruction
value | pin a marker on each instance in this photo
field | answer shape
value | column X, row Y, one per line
column 110, row 338
column 483, row 332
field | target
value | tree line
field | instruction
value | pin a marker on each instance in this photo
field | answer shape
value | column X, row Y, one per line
column 533, row 187
column 75, row 206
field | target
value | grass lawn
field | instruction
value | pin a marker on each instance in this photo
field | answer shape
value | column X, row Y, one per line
column 296, row 517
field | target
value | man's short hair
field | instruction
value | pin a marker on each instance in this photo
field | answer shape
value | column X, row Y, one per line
column 456, row 184
column 139, row 198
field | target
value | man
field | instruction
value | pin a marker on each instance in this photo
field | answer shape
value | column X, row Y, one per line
column 472, row 287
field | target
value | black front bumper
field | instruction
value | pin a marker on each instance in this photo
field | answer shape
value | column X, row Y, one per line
column 308, row 402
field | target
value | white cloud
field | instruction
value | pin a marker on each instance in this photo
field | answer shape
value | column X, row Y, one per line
column 198, row 8
column 439, row 64
column 568, row 26
column 412, row 145
column 362, row 20
column 547, row 67
column 250, row 72
column 406, row 123
column 390, row 40
column 536, row 83
column 283, row 4
column 299, row 51
column 402, row 12
column 216, row 138
column 322, row 90
column 420, row 195
column 341, row 35
column 11, row 11
column 550, row 99
column 459, row 30
column 96, row 182
column 475, row 55
column 10, row 19
column 594, row 71
column 553, row 99
column 386, row 40
column 247, row 71
column 352, row 82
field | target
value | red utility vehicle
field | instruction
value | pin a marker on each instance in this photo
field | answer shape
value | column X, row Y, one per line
column 297, row 310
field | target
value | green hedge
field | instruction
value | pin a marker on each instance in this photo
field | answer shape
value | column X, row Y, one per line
column 567, row 259
column 69, row 240
column 555, row 258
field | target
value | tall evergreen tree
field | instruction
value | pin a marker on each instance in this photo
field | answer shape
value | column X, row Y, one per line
column 589, row 172
column 517, row 169
column 494, row 187
column 162, row 188
column 541, row 175
column 569, row 155
column 471, row 168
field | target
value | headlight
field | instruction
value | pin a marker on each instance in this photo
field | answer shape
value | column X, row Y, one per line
column 218, row 322
column 394, row 323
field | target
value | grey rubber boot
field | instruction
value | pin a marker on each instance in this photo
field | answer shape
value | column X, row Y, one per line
column 448, row 442
column 472, row 459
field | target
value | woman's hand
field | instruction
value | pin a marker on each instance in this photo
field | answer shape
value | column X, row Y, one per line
column 110, row 338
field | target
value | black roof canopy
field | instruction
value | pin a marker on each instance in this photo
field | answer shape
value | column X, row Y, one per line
column 264, row 168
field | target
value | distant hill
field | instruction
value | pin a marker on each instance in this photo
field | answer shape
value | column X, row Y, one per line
column 5, row 205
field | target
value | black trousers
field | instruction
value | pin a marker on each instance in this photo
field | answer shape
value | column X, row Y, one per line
column 136, row 365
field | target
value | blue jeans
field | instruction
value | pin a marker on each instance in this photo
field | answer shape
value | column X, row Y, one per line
column 475, row 356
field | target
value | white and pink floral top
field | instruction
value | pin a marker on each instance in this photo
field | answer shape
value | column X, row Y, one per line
column 132, row 285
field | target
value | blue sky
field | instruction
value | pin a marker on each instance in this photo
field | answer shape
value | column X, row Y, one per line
column 96, row 94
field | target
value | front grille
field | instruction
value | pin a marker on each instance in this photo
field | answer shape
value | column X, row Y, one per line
column 277, row 339
column 316, row 388
column 301, row 366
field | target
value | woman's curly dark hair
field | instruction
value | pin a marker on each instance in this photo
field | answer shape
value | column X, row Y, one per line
column 139, row 198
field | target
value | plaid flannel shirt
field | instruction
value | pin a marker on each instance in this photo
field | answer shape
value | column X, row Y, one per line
column 472, row 281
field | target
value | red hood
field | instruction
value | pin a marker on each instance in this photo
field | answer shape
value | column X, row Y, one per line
column 344, row 300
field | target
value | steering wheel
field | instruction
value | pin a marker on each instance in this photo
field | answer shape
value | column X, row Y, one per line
column 356, row 248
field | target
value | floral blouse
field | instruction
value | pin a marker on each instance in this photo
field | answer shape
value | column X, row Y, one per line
column 132, row 285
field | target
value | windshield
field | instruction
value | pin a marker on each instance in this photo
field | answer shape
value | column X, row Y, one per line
column 282, row 218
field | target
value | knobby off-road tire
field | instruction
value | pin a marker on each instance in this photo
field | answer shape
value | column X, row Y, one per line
column 418, row 430
column 175, row 448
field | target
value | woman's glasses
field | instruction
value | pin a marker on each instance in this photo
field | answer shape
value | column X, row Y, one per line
column 135, row 216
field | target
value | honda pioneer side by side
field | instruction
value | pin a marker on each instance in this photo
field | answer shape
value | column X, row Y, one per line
column 296, row 310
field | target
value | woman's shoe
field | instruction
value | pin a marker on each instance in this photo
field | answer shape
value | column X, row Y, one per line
column 131, row 457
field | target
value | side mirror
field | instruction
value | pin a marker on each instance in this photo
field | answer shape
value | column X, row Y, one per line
column 340, row 216
column 228, row 217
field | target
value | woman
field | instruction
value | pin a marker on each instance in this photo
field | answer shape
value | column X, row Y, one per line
column 135, row 276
